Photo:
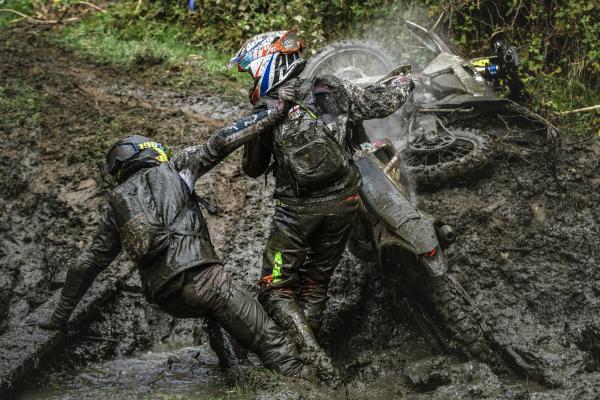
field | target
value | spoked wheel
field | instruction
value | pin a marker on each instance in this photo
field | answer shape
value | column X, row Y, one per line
column 351, row 60
column 458, row 153
column 462, row 319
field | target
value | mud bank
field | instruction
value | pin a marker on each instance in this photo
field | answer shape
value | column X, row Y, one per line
column 527, row 253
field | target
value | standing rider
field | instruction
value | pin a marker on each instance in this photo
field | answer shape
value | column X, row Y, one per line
column 316, row 179
column 155, row 218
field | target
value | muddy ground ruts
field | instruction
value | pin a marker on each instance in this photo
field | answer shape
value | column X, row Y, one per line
column 527, row 250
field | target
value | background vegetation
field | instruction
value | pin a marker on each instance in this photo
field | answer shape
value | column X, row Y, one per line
column 557, row 39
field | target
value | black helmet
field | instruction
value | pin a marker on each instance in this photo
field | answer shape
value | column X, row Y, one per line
column 133, row 153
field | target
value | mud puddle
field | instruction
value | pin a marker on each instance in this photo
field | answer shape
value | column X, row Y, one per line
column 160, row 372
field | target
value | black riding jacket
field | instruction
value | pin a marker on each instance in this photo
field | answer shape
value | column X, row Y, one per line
column 155, row 218
column 338, row 104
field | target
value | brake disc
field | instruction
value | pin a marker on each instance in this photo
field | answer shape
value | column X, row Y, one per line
column 422, row 145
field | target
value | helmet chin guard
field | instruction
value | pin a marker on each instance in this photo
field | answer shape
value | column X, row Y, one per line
column 270, row 58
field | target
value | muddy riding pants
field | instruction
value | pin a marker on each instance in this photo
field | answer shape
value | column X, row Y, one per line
column 212, row 292
column 305, row 246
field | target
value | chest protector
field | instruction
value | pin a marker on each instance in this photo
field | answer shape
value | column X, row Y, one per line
column 309, row 150
column 161, row 226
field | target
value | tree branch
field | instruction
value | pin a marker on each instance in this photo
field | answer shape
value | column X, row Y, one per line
column 579, row 110
column 27, row 17
column 95, row 7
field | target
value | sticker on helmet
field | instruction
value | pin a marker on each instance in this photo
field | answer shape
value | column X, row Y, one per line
column 157, row 147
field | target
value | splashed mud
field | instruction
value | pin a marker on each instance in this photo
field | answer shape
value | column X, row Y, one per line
column 527, row 253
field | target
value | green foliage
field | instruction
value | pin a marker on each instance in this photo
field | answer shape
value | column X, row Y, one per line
column 229, row 24
column 555, row 36
column 552, row 94
column 145, row 40
column 24, row 6
column 117, row 37
column 20, row 105
column 22, row 109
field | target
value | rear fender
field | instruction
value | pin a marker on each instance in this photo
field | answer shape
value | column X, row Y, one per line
column 396, row 223
column 393, row 251
column 382, row 197
column 434, row 262
column 419, row 234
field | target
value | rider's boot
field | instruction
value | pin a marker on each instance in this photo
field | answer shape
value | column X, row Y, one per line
column 283, row 308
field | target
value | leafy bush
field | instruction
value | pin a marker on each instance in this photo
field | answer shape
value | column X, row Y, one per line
column 559, row 37
column 555, row 36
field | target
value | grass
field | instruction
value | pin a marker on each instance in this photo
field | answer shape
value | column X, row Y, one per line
column 553, row 94
column 24, row 6
column 21, row 109
column 243, row 385
column 20, row 104
column 254, row 380
column 167, row 52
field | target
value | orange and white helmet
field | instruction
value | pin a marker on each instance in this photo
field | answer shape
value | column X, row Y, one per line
column 270, row 58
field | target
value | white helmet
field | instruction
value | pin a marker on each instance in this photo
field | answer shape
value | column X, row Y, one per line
column 270, row 58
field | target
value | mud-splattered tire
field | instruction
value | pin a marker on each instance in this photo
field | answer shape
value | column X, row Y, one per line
column 463, row 159
column 318, row 64
column 463, row 321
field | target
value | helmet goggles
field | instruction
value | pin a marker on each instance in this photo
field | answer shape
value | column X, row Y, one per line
column 123, row 152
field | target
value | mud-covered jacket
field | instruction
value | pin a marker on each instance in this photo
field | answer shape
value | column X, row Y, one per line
column 155, row 218
column 335, row 106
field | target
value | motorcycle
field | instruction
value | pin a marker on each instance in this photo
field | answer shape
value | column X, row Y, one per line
column 447, row 129
column 408, row 244
column 433, row 142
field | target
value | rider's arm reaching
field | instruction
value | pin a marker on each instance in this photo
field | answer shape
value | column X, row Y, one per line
column 105, row 246
column 257, row 154
column 191, row 162
column 195, row 161
column 377, row 101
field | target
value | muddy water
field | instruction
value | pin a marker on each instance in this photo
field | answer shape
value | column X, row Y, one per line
column 527, row 253
column 161, row 371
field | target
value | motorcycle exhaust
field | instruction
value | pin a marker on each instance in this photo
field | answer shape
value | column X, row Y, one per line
column 446, row 235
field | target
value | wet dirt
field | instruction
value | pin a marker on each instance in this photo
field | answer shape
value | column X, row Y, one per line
column 526, row 253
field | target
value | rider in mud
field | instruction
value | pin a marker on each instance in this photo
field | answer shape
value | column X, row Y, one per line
column 155, row 218
column 316, row 179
